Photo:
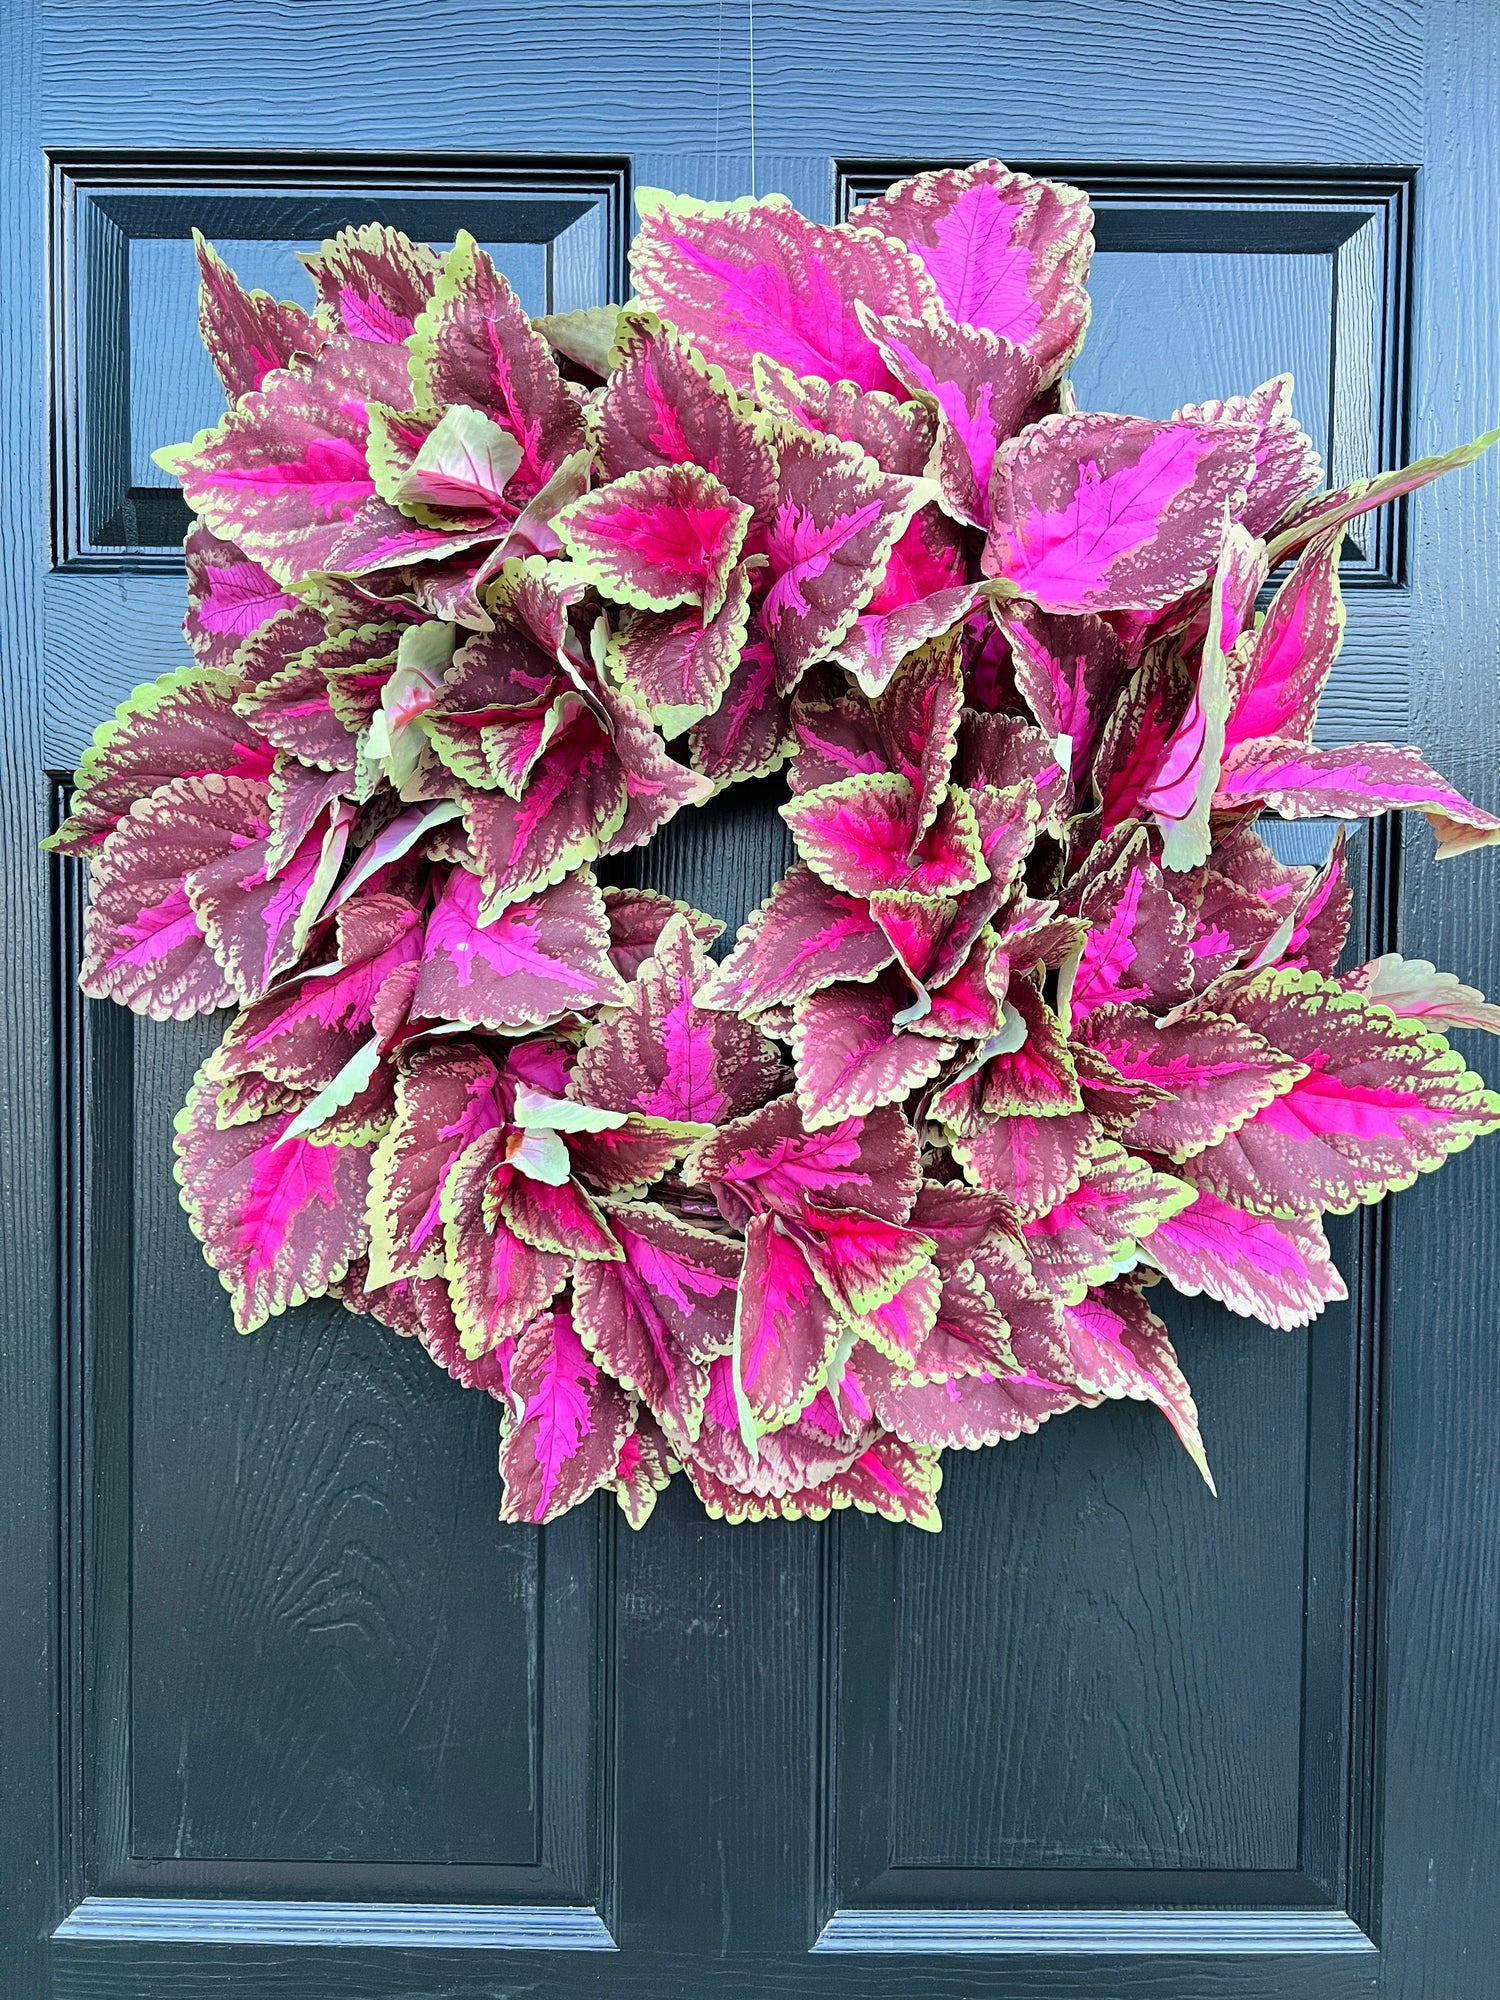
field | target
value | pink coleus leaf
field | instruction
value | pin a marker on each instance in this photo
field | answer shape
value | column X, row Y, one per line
column 1282, row 670
column 745, row 278
column 144, row 943
column 768, row 1162
column 1416, row 990
column 1216, row 1072
column 1318, row 921
column 560, row 1216
column 279, row 1222
column 446, row 1097
column 183, row 725
column 532, row 963
column 836, row 520
column 637, row 918
column 1324, row 511
column 968, row 1412
column 803, row 937
column 1006, row 252
column 898, row 436
column 575, row 798
column 1118, row 1347
column 229, row 597
column 1356, row 782
column 981, row 389
column 285, row 475
column 1287, row 466
column 473, row 344
column 257, row 904
column 880, row 1277
column 374, row 280
column 1381, row 1101
column 664, row 406
column 305, row 1030
column 786, row 1330
column 1032, row 1076
column 645, row 1468
column 657, row 1317
column 247, row 334
column 665, row 536
column 1274, row 1270
column 1070, row 671
column 1097, row 1231
column 656, row 786
column 1098, row 513
column 921, row 598
column 497, row 1282
column 662, row 1054
column 1182, row 789
column 1034, row 1162
column 851, row 1054
column 677, row 667
column 865, row 834
column 571, row 1424
column 750, row 732
column 1137, row 947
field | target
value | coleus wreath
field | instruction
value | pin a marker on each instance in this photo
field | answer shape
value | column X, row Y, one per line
column 1036, row 1020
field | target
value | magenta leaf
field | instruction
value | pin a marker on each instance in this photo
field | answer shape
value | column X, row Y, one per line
column 851, row 1054
column 1287, row 466
column 1118, row 1347
column 279, row 1223
column 660, row 1315
column 144, row 942
column 572, row 1421
column 374, row 280
column 1094, row 513
column 1137, row 946
column 473, row 344
column 768, row 1162
column 1097, row 1231
column 805, row 936
column 786, row 1330
column 183, row 725
column 1356, row 782
column 747, row 278
column 248, row 334
column 532, row 963
column 674, row 665
column 446, row 1098
column 665, row 1056
column 1274, row 1270
column 664, row 406
column 665, row 536
column 1283, row 669
column 836, row 520
column 285, row 476
column 865, row 834
column 1381, row 1101
column 497, row 1282
column 637, row 918
column 980, row 388
column 1006, row 252
column 229, row 597
column 1214, row 1073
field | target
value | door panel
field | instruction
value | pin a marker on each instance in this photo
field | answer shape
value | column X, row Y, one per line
column 305, row 1719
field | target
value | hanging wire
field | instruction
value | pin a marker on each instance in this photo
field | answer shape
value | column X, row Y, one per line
column 751, row 4
column 718, row 98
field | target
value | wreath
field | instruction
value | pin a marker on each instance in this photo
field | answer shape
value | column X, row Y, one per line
column 1037, row 1019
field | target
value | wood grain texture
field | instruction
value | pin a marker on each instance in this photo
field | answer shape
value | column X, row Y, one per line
column 1101, row 79
column 38, row 1860
column 1442, row 1746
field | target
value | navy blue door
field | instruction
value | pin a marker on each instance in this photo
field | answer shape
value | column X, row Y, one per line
column 290, row 1713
